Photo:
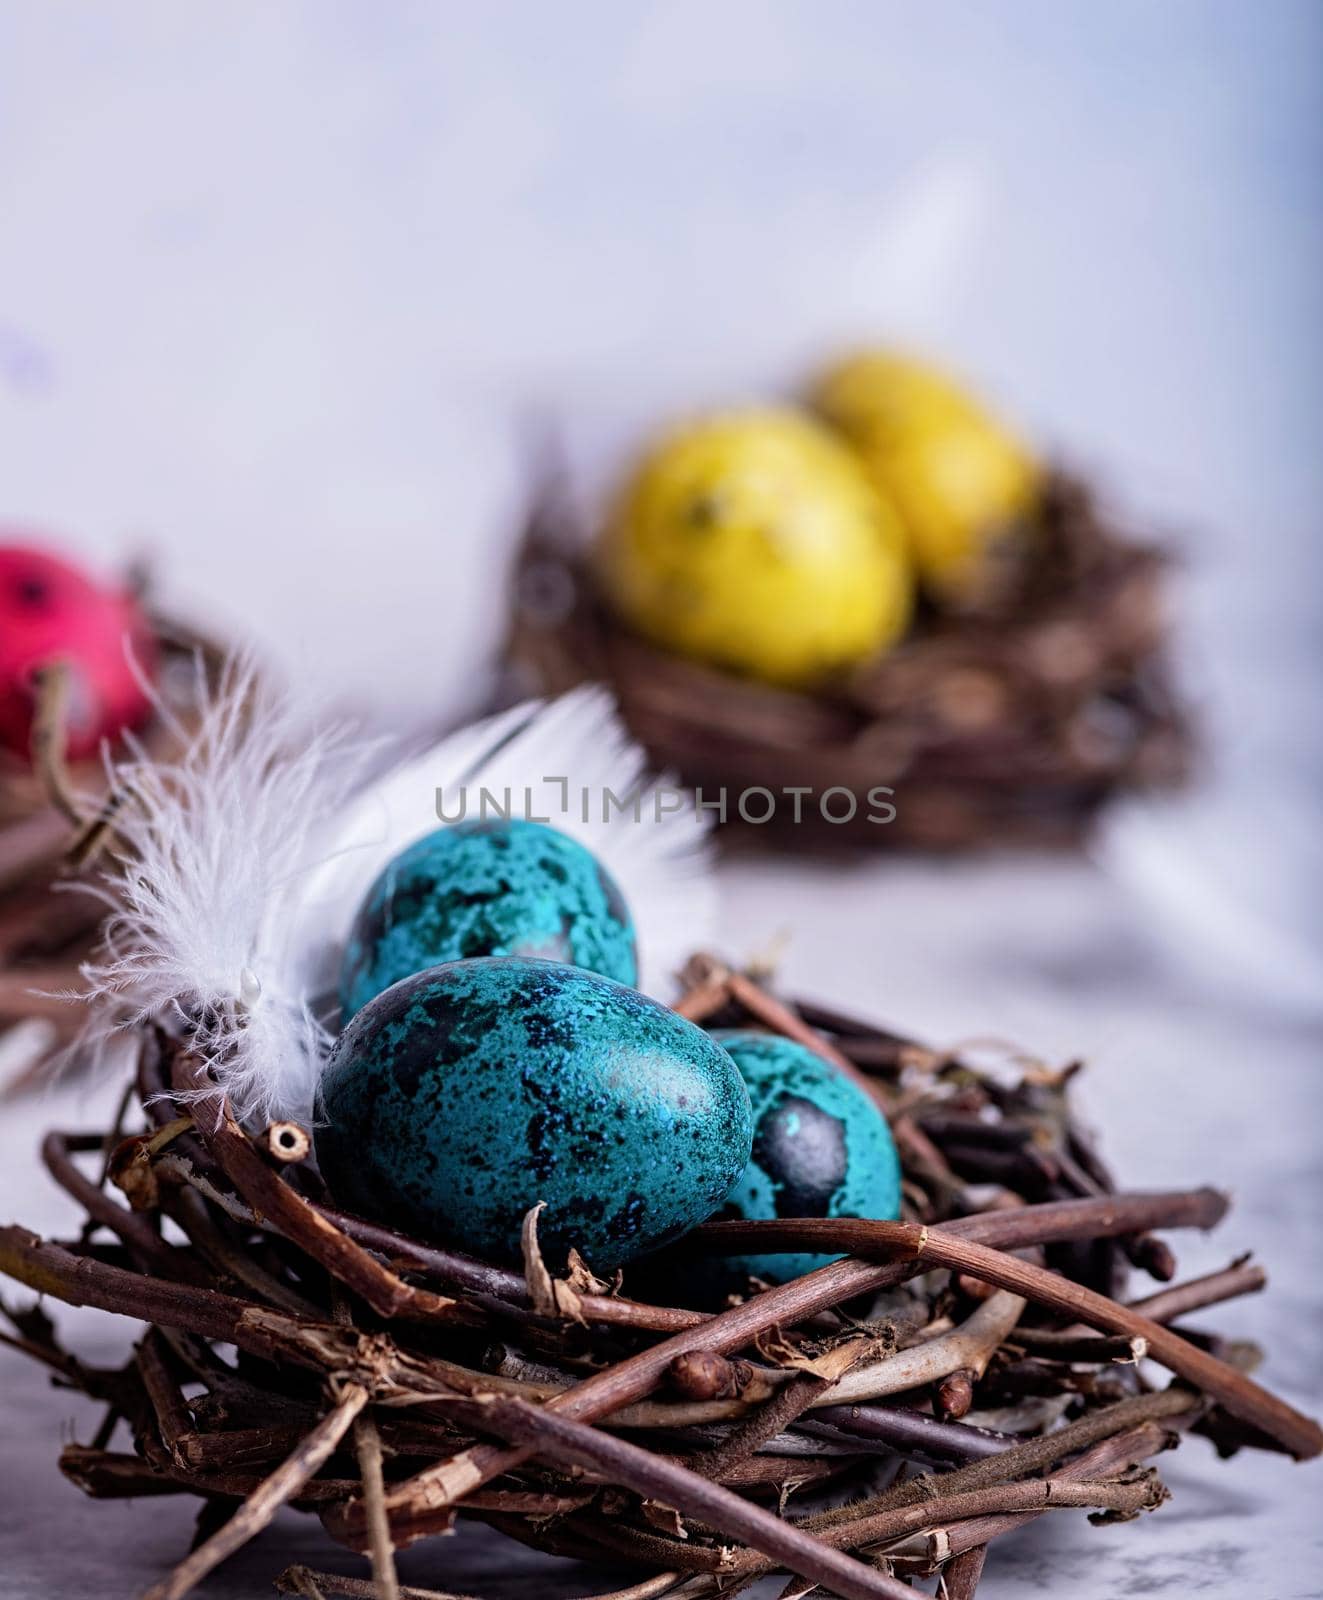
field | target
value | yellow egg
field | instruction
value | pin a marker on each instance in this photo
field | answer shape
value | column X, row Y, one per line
column 961, row 482
column 753, row 541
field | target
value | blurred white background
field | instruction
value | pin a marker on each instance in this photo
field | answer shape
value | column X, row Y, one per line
column 277, row 279
column 281, row 284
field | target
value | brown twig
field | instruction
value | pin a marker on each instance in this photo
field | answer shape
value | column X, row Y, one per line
column 1167, row 1305
column 295, row 1580
column 543, row 1430
column 1032, row 1495
column 172, row 1418
column 941, row 1247
column 961, row 1577
column 1030, row 1456
column 287, row 1142
column 84, row 1281
column 263, row 1503
column 775, row 1415
column 1064, row 1345
column 449, row 1480
column 135, row 1229
column 94, row 837
column 367, row 1442
column 50, row 712
column 1107, row 1458
column 969, row 1347
column 908, row 1432
column 498, row 1287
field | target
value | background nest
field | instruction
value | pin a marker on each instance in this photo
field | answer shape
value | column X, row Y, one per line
column 961, row 1372
column 1006, row 727
column 55, row 820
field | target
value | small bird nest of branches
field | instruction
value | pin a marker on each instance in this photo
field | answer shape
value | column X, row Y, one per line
column 56, row 818
column 1009, row 725
column 952, row 1376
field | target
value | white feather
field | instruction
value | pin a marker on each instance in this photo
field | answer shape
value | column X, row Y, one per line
column 220, row 844
column 249, row 857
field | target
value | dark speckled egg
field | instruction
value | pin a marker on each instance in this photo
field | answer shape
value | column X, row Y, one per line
column 499, row 888
column 463, row 1095
column 821, row 1147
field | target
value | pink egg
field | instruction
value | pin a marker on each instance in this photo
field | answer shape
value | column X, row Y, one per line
column 52, row 611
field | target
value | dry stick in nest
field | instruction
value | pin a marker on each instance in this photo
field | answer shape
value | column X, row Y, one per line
column 50, row 763
column 911, row 1433
column 1031, row 1455
column 141, row 1238
column 85, row 1281
column 261, row 1506
column 1241, row 1277
column 367, row 1437
column 367, row 1443
column 791, row 1401
column 500, row 1288
column 961, row 1578
column 968, row 1347
column 1098, row 1481
column 772, row 1418
column 630, row 1380
column 1118, row 1454
column 52, row 685
column 925, row 1502
column 942, row 1247
column 1049, row 1345
column 1126, row 1495
column 172, row 1418
column 306, row 1581
column 618, row 1461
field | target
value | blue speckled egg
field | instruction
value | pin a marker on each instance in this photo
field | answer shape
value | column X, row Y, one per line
column 463, row 1095
column 821, row 1147
column 498, row 888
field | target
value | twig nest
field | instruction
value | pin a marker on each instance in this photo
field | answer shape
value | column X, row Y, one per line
column 966, row 489
column 496, row 888
column 821, row 1148
column 754, row 542
column 337, row 1319
column 53, row 612
column 1012, row 726
column 459, row 1098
